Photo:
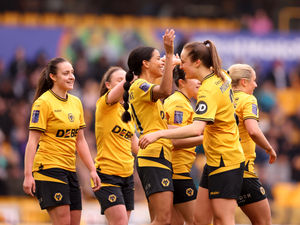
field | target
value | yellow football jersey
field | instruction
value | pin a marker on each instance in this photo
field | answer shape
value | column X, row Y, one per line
column 149, row 116
column 59, row 119
column 113, row 138
column 215, row 105
column 179, row 112
column 246, row 108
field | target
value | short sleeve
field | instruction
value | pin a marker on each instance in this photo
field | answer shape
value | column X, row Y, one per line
column 250, row 109
column 206, row 106
column 39, row 116
column 144, row 90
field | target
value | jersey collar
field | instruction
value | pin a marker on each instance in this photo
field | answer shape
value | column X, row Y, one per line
column 184, row 95
column 208, row 76
column 58, row 97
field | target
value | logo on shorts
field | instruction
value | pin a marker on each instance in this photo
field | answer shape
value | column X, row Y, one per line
column 165, row 182
column 262, row 190
column 112, row 198
column 71, row 117
column 58, row 197
column 189, row 192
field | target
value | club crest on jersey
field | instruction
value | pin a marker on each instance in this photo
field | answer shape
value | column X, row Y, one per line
column 58, row 197
column 178, row 115
column 144, row 86
column 254, row 109
column 71, row 117
column 112, row 198
column 201, row 107
column 189, row 192
column 35, row 116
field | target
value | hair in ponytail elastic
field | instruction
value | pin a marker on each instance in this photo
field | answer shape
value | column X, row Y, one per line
column 45, row 82
column 135, row 63
column 207, row 54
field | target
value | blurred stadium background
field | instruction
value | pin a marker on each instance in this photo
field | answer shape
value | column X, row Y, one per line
column 95, row 34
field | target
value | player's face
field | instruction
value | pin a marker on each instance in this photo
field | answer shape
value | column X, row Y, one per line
column 64, row 77
column 187, row 65
column 117, row 77
column 192, row 87
column 251, row 84
column 156, row 65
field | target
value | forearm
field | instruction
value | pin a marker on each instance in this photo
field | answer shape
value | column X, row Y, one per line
column 116, row 93
column 85, row 155
column 259, row 138
column 166, row 81
column 187, row 142
column 191, row 130
column 28, row 159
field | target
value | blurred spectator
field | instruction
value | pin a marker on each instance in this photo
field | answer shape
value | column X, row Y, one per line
column 260, row 23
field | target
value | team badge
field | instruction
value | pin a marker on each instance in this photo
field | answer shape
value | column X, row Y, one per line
column 165, row 182
column 254, row 109
column 178, row 115
column 201, row 107
column 144, row 86
column 58, row 197
column 262, row 190
column 71, row 117
column 35, row 116
column 112, row 198
column 189, row 192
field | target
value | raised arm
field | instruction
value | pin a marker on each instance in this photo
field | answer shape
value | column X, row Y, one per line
column 84, row 153
column 116, row 93
column 259, row 138
column 33, row 140
column 165, row 88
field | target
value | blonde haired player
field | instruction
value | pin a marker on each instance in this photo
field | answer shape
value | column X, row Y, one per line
column 252, row 200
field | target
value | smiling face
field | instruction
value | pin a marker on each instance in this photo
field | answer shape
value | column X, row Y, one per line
column 64, row 77
column 155, row 65
column 187, row 65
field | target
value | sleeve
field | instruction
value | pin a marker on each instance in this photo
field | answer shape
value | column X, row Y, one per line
column 176, row 113
column 81, row 118
column 39, row 116
column 144, row 90
column 250, row 108
column 206, row 106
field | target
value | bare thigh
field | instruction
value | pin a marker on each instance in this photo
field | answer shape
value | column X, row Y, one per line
column 203, row 214
column 259, row 212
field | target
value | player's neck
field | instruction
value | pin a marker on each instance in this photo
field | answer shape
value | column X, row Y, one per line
column 59, row 92
column 147, row 76
column 203, row 72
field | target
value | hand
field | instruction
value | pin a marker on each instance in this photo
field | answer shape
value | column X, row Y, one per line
column 176, row 60
column 29, row 185
column 148, row 139
column 96, row 182
column 168, row 38
column 273, row 156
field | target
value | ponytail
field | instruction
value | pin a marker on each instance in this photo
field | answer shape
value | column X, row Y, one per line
column 215, row 59
column 45, row 82
column 126, row 117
